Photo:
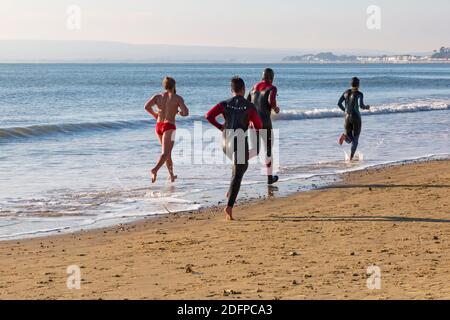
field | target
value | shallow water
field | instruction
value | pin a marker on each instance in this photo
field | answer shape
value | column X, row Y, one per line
column 76, row 145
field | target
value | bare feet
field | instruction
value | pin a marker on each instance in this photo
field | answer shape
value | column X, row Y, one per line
column 173, row 178
column 229, row 214
column 154, row 173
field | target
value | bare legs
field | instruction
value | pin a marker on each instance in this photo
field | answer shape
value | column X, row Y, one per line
column 169, row 165
column 167, row 143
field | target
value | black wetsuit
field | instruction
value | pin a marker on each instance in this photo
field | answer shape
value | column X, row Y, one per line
column 238, row 113
column 354, row 100
column 261, row 95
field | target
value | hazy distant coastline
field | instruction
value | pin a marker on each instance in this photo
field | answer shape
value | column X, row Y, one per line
column 116, row 52
column 34, row 51
column 439, row 56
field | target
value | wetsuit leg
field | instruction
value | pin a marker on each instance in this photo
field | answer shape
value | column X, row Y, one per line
column 355, row 133
column 348, row 128
column 239, row 170
column 266, row 139
column 236, row 180
column 269, row 145
column 258, row 142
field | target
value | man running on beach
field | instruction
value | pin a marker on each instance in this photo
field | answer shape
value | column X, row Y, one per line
column 238, row 113
column 264, row 97
column 169, row 104
column 354, row 100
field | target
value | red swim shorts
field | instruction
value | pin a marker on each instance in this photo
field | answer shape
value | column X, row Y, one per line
column 162, row 127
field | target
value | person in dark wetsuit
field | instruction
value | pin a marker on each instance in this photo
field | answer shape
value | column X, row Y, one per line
column 354, row 100
column 264, row 97
column 238, row 114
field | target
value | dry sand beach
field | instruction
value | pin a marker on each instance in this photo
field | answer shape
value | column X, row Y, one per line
column 312, row 245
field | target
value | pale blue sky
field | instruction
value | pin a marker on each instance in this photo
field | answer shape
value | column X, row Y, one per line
column 407, row 25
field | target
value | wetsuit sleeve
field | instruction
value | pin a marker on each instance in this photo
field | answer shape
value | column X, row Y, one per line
column 214, row 113
column 341, row 101
column 255, row 119
column 273, row 98
column 361, row 102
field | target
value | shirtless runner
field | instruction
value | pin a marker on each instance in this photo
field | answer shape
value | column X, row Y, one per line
column 169, row 104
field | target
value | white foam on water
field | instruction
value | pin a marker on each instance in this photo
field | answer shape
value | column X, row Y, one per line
column 425, row 106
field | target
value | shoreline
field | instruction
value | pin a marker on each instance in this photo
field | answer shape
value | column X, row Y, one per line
column 338, row 176
column 311, row 245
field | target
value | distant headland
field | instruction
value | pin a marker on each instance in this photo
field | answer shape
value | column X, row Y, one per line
column 439, row 56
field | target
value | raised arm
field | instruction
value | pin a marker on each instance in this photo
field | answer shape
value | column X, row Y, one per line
column 213, row 114
column 341, row 102
column 150, row 104
column 184, row 111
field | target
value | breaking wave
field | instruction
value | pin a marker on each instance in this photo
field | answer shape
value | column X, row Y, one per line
column 37, row 131
column 384, row 109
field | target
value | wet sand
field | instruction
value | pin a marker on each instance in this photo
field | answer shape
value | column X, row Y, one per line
column 312, row 245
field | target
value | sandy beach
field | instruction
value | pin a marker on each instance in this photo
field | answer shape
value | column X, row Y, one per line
column 311, row 245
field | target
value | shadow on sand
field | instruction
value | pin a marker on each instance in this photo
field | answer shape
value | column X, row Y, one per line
column 361, row 218
column 367, row 218
column 388, row 186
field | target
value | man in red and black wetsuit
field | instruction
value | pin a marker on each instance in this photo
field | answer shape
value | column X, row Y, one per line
column 238, row 114
column 264, row 97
